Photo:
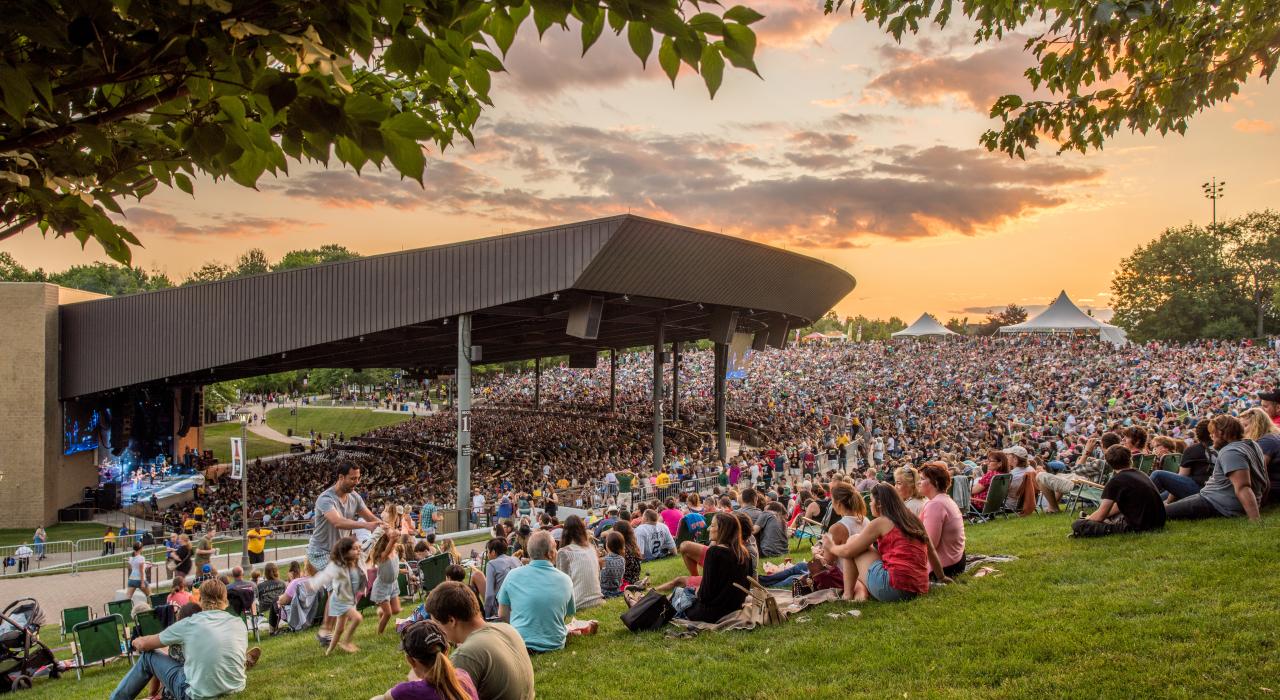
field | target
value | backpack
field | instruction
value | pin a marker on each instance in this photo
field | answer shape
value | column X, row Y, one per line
column 649, row 613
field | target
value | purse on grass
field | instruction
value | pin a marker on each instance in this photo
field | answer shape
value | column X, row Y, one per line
column 649, row 613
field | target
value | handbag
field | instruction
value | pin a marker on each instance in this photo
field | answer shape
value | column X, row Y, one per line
column 649, row 613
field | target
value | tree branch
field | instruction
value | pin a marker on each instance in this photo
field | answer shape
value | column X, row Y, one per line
column 43, row 138
column 17, row 228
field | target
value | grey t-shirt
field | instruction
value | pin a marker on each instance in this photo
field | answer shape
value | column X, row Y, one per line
column 1219, row 492
column 325, row 535
column 773, row 535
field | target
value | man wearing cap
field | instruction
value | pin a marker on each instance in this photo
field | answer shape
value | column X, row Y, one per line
column 605, row 523
column 1271, row 403
column 1018, row 470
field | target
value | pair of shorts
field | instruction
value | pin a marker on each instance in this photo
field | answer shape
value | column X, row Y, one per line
column 135, row 583
column 879, row 588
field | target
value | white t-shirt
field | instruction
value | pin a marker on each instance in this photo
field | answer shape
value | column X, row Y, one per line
column 477, row 502
column 136, row 563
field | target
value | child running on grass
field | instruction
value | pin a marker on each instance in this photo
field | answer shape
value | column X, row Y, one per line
column 385, row 559
column 343, row 571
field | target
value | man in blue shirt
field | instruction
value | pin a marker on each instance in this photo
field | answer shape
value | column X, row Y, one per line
column 536, row 598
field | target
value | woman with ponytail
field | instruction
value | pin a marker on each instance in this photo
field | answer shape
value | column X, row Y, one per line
column 897, row 567
column 432, row 676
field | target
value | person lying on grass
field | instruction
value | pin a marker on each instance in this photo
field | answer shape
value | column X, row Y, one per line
column 343, row 571
column 1130, row 502
column 897, row 567
column 215, row 649
column 493, row 653
column 432, row 675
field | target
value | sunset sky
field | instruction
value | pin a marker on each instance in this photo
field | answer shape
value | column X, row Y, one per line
column 851, row 149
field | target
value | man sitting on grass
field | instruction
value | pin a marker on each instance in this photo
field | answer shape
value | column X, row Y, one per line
column 536, row 598
column 492, row 653
column 1130, row 502
column 654, row 538
column 214, row 646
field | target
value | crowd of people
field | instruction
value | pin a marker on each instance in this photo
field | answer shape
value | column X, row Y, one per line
column 877, row 453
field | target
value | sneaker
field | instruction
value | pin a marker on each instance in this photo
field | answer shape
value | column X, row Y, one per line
column 251, row 658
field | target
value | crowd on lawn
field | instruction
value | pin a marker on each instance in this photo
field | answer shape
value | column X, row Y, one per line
column 879, row 439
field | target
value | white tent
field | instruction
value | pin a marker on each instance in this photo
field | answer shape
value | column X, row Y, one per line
column 924, row 326
column 1063, row 316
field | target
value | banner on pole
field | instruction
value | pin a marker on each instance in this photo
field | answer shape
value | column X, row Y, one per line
column 237, row 458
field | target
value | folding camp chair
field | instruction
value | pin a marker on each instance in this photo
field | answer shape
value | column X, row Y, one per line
column 123, row 608
column 1170, row 462
column 100, row 641
column 72, row 617
column 235, row 606
column 997, row 491
column 806, row 529
column 1145, row 464
column 148, row 622
column 402, row 580
column 158, row 599
column 432, row 572
column 960, row 492
column 1089, row 492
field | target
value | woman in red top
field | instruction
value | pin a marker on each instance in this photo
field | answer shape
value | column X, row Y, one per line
column 897, row 567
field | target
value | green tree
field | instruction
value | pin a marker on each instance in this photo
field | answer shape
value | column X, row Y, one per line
column 12, row 271
column 209, row 272
column 1251, row 246
column 253, row 262
column 110, row 279
column 1010, row 315
column 1180, row 287
column 314, row 256
column 958, row 325
column 102, row 100
column 1107, row 64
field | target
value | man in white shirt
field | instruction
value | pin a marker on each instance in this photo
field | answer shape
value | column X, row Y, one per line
column 477, row 507
column 654, row 538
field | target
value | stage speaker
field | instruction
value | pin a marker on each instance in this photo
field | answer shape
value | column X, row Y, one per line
column 723, row 323
column 183, row 398
column 584, row 360
column 761, row 341
column 108, row 496
column 778, row 334
column 584, row 319
column 477, row 354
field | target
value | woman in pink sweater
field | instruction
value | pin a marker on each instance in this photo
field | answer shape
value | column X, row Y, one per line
column 942, row 519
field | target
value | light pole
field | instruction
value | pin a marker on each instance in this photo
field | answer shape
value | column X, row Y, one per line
column 1213, row 191
column 244, row 490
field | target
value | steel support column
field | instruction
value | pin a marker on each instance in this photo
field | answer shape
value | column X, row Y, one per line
column 675, row 380
column 722, row 399
column 659, row 453
column 463, row 375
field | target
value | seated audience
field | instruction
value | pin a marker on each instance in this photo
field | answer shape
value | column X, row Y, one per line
column 431, row 673
column 495, row 572
column 907, row 481
column 577, row 558
column 1238, row 480
column 1087, row 468
column 654, row 538
column 942, row 519
column 997, row 463
column 890, row 559
column 1130, row 502
column 1193, row 472
column 613, row 566
column 269, row 591
column 727, row 562
column 215, row 651
column 537, row 597
column 492, row 653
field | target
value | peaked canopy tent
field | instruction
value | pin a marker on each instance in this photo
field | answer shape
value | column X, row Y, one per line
column 926, row 326
column 1063, row 316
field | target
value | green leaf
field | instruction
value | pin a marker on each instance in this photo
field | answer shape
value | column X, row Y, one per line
column 362, row 108
column 502, row 28
column 743, row 15
column 617, row 22
column 248, row 167
column 403, row 56
column 209, row 140
column 349, row 152
column 392, row 11
column 184, row 183
column 641, row 39
column 712, row 68
column 282, row 94
column 740, row 46
column 488, row 60
column 669, row 59
column 707, row 23
column 232, row 107
column 406, row 155
column 18, row 94
column 437, row 68
column 477, row 78
column 408, row 125
column 94, row 138
column 591, row 31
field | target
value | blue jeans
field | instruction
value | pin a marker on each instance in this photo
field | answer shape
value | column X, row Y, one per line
column 783, row 578
column 153, row 664
column 1176, row 484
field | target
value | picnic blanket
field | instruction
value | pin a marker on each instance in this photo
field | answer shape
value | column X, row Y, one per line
column 749, row 617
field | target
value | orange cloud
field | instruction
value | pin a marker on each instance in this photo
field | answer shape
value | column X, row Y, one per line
column 1254, row 126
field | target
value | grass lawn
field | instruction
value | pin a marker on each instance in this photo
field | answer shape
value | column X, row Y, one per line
column 1189, row 612
column 217, row 437
column 349, row 421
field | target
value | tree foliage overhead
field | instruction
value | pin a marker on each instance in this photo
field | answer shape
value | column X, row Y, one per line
column 1008, row 316
column 1108, row 64
column 102, row 100
column 1201, row 282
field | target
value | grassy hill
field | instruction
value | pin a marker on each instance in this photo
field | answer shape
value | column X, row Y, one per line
column 349, row 421
column 1189, row 612
column 217, row 437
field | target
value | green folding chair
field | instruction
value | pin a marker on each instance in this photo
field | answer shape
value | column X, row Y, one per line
column 236, row 607
column 100, row 641
column 432, row 572
column 402, row 580
column 1171, row 462
column 123, row 608
column 997, row 491
column 158, row 599
column 1146, row 463
column 148, row 622
column 1085, row 494
column 806, row 529
column 72, row 617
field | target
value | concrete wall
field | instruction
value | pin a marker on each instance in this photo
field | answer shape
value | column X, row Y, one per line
column 35, row 478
